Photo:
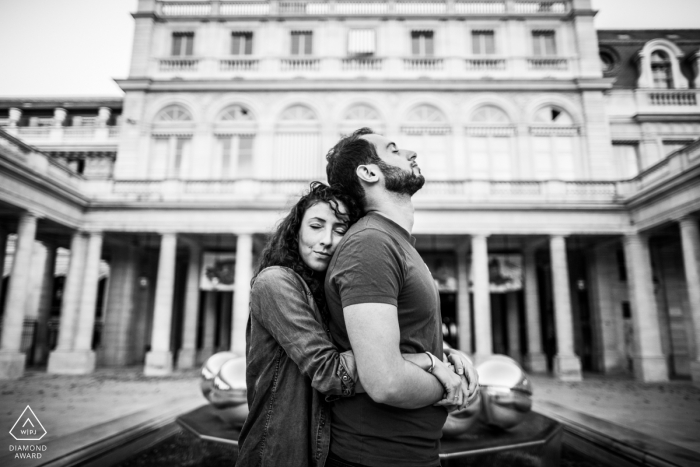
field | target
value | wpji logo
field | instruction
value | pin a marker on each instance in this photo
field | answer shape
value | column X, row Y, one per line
column 28, row 427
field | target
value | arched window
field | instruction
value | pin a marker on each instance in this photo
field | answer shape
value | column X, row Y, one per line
column 359, row 116
column 235, row 140
column 555, row 144
column 171, row 144
column 490, row 144
column 427, row 132
column 661, row 73
column 173, row 113
column 297, row 150
column 659, row 64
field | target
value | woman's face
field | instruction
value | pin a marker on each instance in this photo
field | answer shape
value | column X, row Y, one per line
column 320, row 233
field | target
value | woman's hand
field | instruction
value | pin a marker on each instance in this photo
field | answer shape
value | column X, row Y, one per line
column 454, row 393
column 464, row 367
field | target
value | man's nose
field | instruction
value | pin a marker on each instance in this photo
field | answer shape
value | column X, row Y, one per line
column 410, row 155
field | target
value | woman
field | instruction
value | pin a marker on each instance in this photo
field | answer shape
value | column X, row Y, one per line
column 291, row 360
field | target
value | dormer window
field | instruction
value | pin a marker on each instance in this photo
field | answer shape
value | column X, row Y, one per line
column 661, row 70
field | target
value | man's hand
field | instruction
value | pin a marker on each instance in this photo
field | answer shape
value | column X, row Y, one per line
column 464, row 367
column 454, row 392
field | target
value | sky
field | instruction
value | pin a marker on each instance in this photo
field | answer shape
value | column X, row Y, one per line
column 78, row 47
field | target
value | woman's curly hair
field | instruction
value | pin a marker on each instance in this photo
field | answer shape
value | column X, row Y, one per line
column 282, row 249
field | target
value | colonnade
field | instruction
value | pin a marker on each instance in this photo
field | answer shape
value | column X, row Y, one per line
column 74, row 353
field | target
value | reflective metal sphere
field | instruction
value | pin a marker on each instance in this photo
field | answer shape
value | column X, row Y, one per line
column 506, row 392
column 229, row 393
column 211, row 368
column 460, row 421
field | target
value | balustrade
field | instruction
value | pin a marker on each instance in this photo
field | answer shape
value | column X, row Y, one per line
column 300, row 64
column 238, row 64
column 179, row 64
column 480, row 8
column 420, row 7
column 479, row 64
column 680, row 98
column 33, row 132
column 540, row 63
column 245, row 9
column 423, row 64
column 362, row 64
column 361, row 7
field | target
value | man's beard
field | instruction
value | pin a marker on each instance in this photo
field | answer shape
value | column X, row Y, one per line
column 401, row 181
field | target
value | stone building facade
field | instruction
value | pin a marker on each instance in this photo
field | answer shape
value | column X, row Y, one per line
column 559, row 216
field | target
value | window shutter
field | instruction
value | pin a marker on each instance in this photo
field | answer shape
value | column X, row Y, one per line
column 361, row 41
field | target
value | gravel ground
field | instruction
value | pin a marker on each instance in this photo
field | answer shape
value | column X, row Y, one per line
column 669, row 411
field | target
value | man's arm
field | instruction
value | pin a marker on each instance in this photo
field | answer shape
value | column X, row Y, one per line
column 373, row 330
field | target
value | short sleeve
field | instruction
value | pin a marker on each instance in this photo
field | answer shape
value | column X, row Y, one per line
column 369, row 268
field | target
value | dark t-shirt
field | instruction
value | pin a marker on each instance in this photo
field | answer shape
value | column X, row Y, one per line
column 377, row 263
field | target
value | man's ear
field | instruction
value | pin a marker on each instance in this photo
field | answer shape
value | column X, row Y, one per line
column 368, row 173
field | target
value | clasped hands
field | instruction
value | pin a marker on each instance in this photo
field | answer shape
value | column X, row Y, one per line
column 459, row 378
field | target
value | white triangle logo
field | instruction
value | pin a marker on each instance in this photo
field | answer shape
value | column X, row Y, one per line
column 28, row 427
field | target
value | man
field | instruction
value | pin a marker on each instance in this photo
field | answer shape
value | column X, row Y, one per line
column 383, row 301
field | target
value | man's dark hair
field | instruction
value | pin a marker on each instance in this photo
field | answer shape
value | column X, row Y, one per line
column 343, row 160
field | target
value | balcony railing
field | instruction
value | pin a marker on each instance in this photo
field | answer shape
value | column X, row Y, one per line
column 79, row 132
column 539, row 7
column 359, row 7
column 480, row 8
column 300, row 64
column 539, row 63
column 676, row 98
column 362, row 64
column 420, row 7
column 179, row 64
column 33, row 132
column 480, row 64
column 423, row 64
column 238, row 64
column 245, row 9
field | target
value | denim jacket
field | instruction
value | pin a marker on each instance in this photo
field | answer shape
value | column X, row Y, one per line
column 291, row 364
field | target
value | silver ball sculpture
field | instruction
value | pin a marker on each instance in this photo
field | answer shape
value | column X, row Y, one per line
column 210, row 369
column 228, row 396
column 506, row 392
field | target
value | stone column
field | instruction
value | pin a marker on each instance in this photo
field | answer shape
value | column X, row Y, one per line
column 83, row 355
column 3, row 252
column 60, row 360
column 567, row 366
column 118, row 335
column 535, row 360
column 513, row 326
column 464, row 326
column 209, row 319
column 691, row 260
column 241, row 294
column 41, row 351
column 15, row 115
column 649, row 361
column 187, row 353
column 482, row 299
column 12, row 361
column 159, row 361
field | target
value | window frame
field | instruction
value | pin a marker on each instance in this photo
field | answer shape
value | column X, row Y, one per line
column 539, row 46
column 476, row 38
column 245, row 46
column 185, row 47
column 303, row 40
column 425, row 39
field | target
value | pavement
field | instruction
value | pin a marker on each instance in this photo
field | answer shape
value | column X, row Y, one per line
column 659, row 423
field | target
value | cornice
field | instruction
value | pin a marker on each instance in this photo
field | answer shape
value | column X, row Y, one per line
column 437, row 85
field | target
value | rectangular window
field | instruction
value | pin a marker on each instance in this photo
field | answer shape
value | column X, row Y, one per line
column 183, row 44
column 483, row 43
column 626, row 159
column 671, row 146
column 301, row 43
column 543, row 43
column 422, row 43
column 235, row 158
column 361, row 42
column 241, row 43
